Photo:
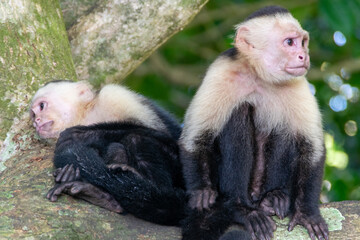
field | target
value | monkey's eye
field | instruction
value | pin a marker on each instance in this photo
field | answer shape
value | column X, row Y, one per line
column 303, row 42
column 290, row 41
column 42, row 105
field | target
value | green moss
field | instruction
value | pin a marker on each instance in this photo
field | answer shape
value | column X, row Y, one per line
column 6, row 226
column 34, row 49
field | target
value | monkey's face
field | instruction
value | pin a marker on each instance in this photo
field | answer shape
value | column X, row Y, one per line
column 276, row 47
column 59, row 105
column 286, row 54
column 50, row 116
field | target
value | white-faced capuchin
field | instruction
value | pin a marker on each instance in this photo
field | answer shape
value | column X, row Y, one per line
column 62, row 104
column 127, row 159
column 252, row 142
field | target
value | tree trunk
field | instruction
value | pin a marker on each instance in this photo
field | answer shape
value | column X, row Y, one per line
column 33, row 49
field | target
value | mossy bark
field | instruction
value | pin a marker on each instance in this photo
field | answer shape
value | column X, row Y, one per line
column 33, row 49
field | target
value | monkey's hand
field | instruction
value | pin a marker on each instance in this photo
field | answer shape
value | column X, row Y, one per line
column 314, row 224
column 258, row 223
column 202, row 199
column 276, row 203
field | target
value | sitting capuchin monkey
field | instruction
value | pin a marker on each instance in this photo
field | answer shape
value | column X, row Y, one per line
column 252, row 143
column 125, row 160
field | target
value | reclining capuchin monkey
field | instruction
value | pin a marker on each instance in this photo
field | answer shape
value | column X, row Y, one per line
column 252, row 144
column 127, row 159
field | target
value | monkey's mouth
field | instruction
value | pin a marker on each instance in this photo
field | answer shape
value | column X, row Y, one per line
column 44, row 128
column 297, row 71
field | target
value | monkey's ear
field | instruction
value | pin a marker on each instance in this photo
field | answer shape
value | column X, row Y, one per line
column 242, row 39
column 85, row 92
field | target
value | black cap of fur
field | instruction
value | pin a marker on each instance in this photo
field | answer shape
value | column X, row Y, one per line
column 267, row 11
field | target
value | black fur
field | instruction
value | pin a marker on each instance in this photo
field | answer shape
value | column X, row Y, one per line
column 268, row 11
column 231, row 53
column 57, row 81
column 230, row 161
column 171, row 124
column 153, row 191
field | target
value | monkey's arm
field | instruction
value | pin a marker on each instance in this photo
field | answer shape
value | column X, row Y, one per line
column 307, row 187
column 200, row 176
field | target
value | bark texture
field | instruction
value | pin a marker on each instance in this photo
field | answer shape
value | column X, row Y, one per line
column 112, row 37
column 33, row 49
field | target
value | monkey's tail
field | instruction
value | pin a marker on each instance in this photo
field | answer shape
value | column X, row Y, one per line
column 211, row 224
column 137, row 195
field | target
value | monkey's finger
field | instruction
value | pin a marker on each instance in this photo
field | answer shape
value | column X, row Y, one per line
column 198, row 201
column 268, row 210
column 56, row 172
column 50, row 193
column 272, row 223
column 292, row 224
column 310, row 230
column 257, row 226
column 318, row 232
column 61, row 173
column 77, row 174
column 277, row 206
column 266, row 229
column 325, row 230
column 63, row 188
column 213, row 197
column 322, row 231
column 282, row 208
column 270, row 226
column 250, row 230
column 193, row 201
column 205, row 199
column 68, row 174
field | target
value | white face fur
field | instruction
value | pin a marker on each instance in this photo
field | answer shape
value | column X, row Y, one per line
column 57, row 106
column 276, row 46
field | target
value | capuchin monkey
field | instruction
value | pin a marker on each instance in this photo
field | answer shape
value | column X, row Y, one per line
column 62, row 104
column 252, row 141
column 127, row 163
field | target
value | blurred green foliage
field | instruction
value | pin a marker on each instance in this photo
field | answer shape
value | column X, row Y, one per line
column 172, row 74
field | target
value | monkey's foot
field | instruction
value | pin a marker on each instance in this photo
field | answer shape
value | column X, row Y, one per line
column 276, row 203
column 87, row 192
column 202, row 199
column 314, row 224
column 258, row 223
